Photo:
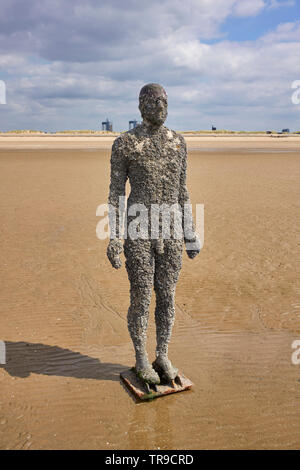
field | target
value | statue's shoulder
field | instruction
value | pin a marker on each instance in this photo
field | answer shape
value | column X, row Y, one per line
column 137, row 132
column 121, row 142
column 128, row 138
column 176, row 136
column 120, row 139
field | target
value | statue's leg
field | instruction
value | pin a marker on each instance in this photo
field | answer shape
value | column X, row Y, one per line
column 167, row 269
column 137, row 318
column 140, row 269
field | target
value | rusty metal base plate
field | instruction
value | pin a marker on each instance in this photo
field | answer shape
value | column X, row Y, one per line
column 144, row 391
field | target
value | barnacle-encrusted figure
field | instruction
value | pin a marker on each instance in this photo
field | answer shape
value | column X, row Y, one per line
column 153, row 158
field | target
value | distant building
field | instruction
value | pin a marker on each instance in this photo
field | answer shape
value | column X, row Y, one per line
column 107, row 125
column 133, row 124
column 285, row 130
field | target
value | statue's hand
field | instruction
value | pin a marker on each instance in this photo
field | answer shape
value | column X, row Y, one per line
column 114, row 249
column 193, row 247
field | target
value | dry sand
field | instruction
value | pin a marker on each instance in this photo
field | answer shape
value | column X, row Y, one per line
column 63, row 308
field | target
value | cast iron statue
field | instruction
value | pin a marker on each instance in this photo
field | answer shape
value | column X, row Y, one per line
column 153, row 158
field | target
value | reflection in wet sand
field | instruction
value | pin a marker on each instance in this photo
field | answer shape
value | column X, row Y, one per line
column 63, row 309
column 151, row 426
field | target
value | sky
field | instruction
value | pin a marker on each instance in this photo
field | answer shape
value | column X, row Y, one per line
column 70, row 64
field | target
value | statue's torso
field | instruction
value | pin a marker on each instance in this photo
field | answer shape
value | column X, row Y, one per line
column 154, row 162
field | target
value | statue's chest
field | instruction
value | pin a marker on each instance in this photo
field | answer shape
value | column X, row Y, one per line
column 157, row 155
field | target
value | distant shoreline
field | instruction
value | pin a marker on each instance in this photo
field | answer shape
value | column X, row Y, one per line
column 110, row 135
column 107, row 134
column 91, row 142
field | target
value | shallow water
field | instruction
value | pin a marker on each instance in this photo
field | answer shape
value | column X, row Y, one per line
column 63, row 310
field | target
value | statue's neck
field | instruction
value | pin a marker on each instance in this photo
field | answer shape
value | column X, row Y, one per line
column 152, row 128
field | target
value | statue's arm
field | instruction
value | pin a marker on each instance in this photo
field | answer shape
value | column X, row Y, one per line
column 118, row 177
column 191, row 239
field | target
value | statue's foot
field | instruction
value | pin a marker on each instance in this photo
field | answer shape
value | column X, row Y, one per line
column 164, row 368
column 148, row 374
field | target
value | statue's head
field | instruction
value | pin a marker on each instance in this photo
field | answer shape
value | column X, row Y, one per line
column 153, row 104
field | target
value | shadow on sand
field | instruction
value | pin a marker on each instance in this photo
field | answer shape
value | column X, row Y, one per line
column 23, row 358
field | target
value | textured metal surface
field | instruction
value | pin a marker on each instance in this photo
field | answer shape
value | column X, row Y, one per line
column 153, row 158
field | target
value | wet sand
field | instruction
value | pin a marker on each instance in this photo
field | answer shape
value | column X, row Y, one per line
column 63, row 308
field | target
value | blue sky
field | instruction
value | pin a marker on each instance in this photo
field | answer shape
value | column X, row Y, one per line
column 70, row 64
column 253, row 27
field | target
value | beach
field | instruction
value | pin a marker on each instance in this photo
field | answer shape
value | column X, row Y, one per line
column 63, row 307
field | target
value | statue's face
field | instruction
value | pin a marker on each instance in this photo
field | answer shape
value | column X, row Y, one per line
column 154, row 105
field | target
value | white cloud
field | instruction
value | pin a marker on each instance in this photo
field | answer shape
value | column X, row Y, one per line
column 273, row 4
column 287, row 32
column 248, row 7
column 73, row 70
